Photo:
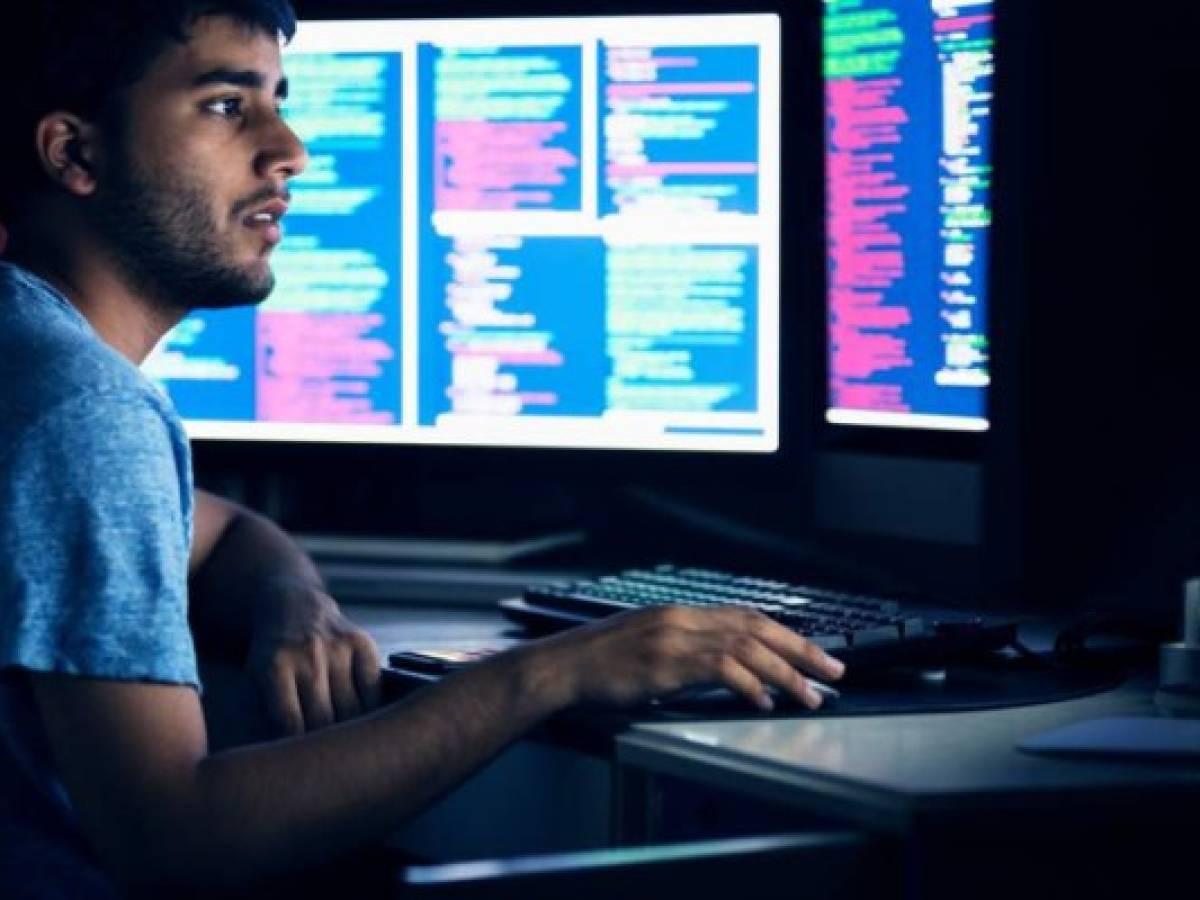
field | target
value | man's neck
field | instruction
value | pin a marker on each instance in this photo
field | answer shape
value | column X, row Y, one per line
column 129, row 323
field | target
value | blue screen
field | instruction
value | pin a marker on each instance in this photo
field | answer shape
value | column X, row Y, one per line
column 555, row 232
column 908, row 90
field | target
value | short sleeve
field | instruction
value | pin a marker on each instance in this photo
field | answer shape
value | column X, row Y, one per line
column 95, row 519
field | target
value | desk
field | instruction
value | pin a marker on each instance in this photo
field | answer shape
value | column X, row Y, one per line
column 975, row 817
column 970, row 815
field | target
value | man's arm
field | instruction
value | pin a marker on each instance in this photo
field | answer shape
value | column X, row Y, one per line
column 255, row 595
column 160, row 810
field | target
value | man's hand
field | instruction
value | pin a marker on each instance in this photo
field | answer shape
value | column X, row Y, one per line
column 253, row 591
column 648, row 653
column 314, row 665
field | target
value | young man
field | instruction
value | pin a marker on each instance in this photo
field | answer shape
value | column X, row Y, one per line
column 144, row 172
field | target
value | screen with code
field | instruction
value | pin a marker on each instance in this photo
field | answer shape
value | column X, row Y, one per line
column 524, row 232
column 908, row 99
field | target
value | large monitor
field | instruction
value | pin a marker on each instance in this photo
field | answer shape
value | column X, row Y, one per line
column 908, row 104
column 529, row 232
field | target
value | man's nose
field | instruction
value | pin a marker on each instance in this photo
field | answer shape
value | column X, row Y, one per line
column 283, row 155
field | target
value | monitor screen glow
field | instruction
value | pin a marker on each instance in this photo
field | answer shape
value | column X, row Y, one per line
column 908, row 103
column 523, row 232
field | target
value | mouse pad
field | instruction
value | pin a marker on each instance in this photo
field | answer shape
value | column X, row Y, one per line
column 1131, row 737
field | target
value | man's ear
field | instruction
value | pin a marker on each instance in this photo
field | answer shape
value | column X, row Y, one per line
column 67, row 147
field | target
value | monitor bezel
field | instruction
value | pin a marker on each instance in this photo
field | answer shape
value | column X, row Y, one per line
column 899, row 440
column 211, row 435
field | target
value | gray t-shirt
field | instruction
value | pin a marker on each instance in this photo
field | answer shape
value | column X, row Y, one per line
column 95, row 530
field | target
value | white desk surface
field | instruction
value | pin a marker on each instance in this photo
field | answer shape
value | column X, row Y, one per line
column 885, row 770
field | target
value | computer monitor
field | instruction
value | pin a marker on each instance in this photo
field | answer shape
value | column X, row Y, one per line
column 523, row 232
column 908, row 104
column 915, row 453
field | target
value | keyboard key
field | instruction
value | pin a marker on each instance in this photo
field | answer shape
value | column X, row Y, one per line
column 828, row 642
column 880, row 634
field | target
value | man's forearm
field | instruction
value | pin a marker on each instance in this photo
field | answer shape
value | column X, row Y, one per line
column 299, row 801
column 160, row 809
column 224, row 591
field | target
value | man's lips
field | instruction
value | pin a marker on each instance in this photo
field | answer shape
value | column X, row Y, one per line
column 268, row 214
column 266, row 218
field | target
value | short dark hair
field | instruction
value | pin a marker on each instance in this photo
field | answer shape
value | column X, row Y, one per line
column 80, row 55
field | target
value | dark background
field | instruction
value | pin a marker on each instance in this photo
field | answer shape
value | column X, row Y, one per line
column 1086, row 484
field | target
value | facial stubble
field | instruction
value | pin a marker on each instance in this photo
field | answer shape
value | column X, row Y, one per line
column 164, row 239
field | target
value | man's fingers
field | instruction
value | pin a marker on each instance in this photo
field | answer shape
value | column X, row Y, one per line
column 283, row 701
column 800, row 652
column 341, row 684
column 771, row 668
column 366, row 671
column 313, row 688
column 737, row 676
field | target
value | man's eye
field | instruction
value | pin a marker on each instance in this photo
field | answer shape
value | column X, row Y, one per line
column 230, row 107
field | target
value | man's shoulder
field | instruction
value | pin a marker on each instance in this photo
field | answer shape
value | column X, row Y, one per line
column 51, row 360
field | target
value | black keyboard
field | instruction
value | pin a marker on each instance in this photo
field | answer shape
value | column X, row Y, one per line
column 864, row 631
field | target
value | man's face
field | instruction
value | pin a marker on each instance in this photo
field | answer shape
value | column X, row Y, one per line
column 192, row 189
